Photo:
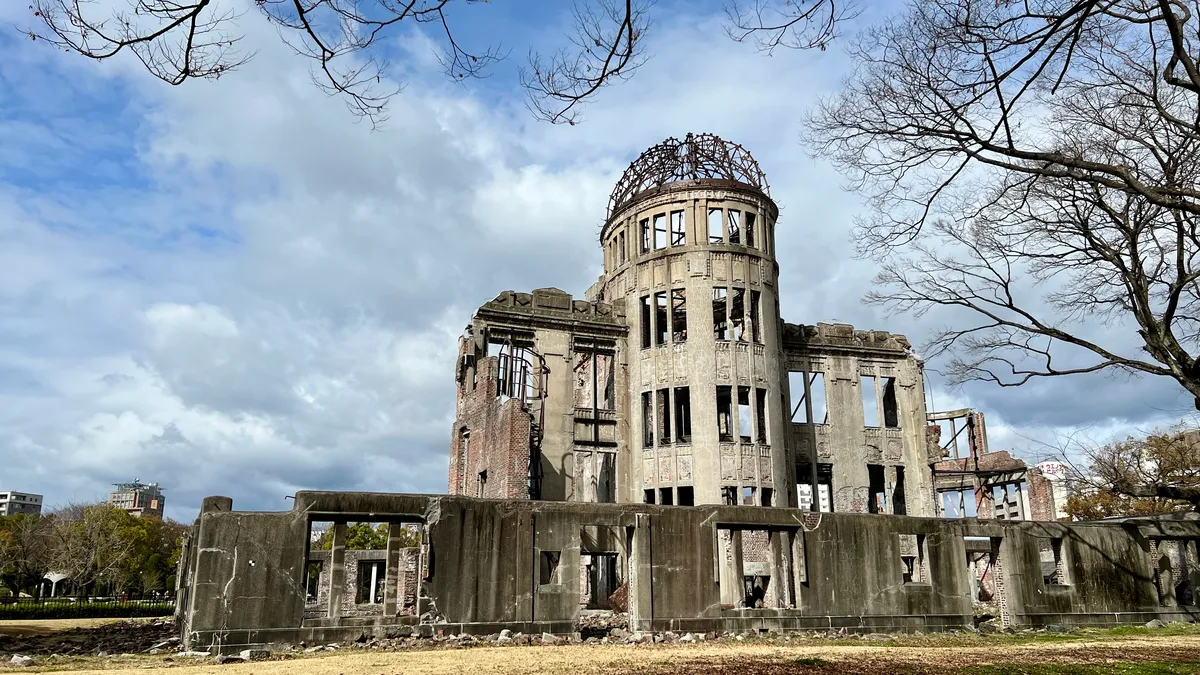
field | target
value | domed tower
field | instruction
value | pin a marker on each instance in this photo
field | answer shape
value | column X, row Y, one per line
column 689, row 246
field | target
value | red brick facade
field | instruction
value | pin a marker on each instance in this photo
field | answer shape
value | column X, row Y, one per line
column 490, row 434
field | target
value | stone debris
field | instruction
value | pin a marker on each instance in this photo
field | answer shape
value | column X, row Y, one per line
column 255, row 654
column 1155, row 623
column 21, row 660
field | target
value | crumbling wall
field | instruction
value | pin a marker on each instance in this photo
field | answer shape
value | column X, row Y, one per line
column 893, row 438
column 491, row 564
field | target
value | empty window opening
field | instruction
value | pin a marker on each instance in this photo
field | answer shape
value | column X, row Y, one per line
column 760, row 415
column 312, row 581
column 725, row 413
column 808, row 391
column 1008, row 501
column 660, row 318
column 647, row 322
column 959, row 504
column 824, row 487
column 621, row 246
column 744, row 414
column 899, row 502
column 370, row 582
column 755, row 313
column 678, row 315
column 648, row 497
column 729, row 495
column 748, row 495
column 737, row 314
column 720, row 314
column 749, row 228
column 891, row 411
column 548, row 569
column 912, row 559
column 877, row 500
column 756, row 589
column 683, row 415
column 646, row 235
column 664, row 497
column 647, row 419
column 716, row 230
column 1054, row 571
column 735, row 226
column 664, row 416
column 601, row 576
column 768, row 497
column 606, row 481
column 870, row 401
column 481, row 487
column 678, row 235
column 687, row 495
column 660, row 231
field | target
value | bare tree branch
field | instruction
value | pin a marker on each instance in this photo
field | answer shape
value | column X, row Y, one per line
column 792, row 24
column 608, row 39
column 1033, row 167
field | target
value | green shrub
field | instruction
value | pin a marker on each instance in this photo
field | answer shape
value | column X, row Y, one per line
column 84, row 610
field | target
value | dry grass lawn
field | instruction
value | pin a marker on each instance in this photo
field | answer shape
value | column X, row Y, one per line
column 708, row 659
column 23, row 627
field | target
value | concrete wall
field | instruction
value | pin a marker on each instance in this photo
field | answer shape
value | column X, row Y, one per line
column 557, row 331
column 490, row 564
column 705, row 462
column 845, row 356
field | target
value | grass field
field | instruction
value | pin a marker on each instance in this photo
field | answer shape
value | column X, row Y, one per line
column 1135, row 651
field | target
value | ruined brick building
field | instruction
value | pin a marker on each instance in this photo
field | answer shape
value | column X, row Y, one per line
column 676, row 381
column 633, row 438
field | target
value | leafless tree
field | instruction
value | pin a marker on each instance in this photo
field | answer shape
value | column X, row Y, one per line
column 25, row 551
column 89, row 546
column 1033, row 163
column 1157, row 473
column 180, row 40
column 792, row 24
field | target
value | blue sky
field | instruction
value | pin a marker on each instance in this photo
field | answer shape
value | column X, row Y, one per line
column 235, row 288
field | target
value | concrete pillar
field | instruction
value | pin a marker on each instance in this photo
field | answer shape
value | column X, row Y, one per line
column 391, row 598
column 337, row 570
column 640, row 610
column 733, row 590
column 781, row 570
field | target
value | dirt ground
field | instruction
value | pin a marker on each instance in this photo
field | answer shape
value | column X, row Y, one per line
column 82, row 636
column 69, row 646
column 708, row 659
column 25, row 628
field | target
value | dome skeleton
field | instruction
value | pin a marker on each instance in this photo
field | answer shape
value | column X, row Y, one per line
column 698, row 156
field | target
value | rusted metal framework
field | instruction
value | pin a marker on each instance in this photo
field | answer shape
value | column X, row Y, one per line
column 697, row 156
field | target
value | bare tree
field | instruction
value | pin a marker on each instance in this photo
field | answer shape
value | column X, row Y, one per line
column 25, row 552
column 89, row 544
column 792, row 24
column 1033, row 163
column 1159, row 473
column 180, row 40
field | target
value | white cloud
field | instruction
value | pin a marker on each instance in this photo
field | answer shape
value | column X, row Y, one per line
column 272, row 302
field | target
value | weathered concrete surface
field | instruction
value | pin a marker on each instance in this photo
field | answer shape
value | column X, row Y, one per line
column 491, row 564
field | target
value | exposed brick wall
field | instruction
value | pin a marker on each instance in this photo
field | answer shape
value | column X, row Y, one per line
column 1041, row 496
column 498, row 440
column 406, row 583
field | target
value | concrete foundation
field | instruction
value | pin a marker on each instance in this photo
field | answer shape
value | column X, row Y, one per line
column 485, row 565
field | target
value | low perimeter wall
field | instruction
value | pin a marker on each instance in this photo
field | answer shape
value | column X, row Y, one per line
column 530, row 566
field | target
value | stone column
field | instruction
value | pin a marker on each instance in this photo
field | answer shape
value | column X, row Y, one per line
column 337, row 570
column 391, row 599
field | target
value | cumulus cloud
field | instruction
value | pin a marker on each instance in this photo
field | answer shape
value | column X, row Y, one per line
column 233, row 288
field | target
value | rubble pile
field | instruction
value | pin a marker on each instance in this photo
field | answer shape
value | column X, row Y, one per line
column 122, row 637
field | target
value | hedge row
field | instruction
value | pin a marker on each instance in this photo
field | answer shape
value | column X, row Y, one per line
column 84, row 610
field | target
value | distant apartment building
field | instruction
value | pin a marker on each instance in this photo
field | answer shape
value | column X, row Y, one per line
column 12, row 503
column 139, row 499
